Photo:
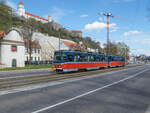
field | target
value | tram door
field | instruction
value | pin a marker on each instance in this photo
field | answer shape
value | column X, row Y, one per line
column 14, row 63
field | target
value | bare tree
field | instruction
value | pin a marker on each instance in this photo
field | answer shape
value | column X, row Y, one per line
column 28, row 30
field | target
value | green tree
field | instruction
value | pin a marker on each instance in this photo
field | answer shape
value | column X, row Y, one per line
column 5, row 16
column 111, row 48
column 123, row 49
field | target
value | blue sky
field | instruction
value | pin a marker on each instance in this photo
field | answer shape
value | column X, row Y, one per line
column 83, row 15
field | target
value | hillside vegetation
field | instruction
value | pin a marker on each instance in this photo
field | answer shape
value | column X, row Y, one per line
column 9, row 18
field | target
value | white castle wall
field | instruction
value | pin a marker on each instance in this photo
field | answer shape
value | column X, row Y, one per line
column 49, row 44
column 22, row 12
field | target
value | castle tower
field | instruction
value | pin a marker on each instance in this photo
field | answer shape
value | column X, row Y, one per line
column 21, row 10
column 49, row 18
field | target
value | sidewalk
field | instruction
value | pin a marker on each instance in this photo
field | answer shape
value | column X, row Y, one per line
column 27, row 72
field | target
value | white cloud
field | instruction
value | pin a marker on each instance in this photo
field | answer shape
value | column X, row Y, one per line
column 98, row 26
column 143, row 41
column 11, row 4
column 83, row 15
column 114, row 29
column 135, row 32
column 143, row 45
column 140, row 51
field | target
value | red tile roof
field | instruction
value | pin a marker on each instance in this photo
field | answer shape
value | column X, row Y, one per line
column 12, row 41
column 21, row 2
column 36, row 45
column 36, row 16
column 70, row 44
column 98, row 43
column 75, row 46
column 77, row 31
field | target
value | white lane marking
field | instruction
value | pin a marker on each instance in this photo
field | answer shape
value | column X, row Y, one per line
column 87, row 93
column 28, row 88
column 148, row 110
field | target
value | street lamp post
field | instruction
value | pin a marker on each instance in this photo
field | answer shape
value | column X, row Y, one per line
column 59, row 41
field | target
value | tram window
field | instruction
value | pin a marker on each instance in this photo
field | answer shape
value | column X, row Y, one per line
column 114, row 59
column 91, row 58
column 110, row 58
column 97, row 58
column 118, row 58
column 123, row 59
column 70, row 58
column 76, row 58
column 102, row 58
column 105, row 58
column 57, row 57
column 88, row 58
column 82, row 58
column 64, row 57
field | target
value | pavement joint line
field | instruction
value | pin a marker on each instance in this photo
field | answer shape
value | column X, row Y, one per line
column 87, row 93
column 43, row 85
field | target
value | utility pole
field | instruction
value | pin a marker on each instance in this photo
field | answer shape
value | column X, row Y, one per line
column 59, row 41
column 108, row 15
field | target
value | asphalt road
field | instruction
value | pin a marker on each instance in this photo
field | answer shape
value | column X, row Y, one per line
column 17, row 73
column 124, row 91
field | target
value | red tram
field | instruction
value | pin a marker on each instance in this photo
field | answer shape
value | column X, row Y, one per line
column 65, row 61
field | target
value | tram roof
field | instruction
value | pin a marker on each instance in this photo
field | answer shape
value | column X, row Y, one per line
column 79, row 52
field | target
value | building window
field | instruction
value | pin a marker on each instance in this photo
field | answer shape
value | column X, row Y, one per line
column 27, row 58
column 14, row 63
column 35, row 50
column 14, row 48
column 39, row 51
column 38, row 58
column 26, row 50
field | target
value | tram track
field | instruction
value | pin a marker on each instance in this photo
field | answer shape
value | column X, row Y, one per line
column 15, row 82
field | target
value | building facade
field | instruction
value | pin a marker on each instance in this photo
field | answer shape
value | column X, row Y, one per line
column 76, row 33
column 12, row 49
column 22, row 12
column 36, row 51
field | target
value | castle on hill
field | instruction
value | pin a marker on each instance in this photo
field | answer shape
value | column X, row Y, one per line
column 22, row 12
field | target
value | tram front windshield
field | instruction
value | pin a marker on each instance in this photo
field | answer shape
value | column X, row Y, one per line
column 57, row 56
